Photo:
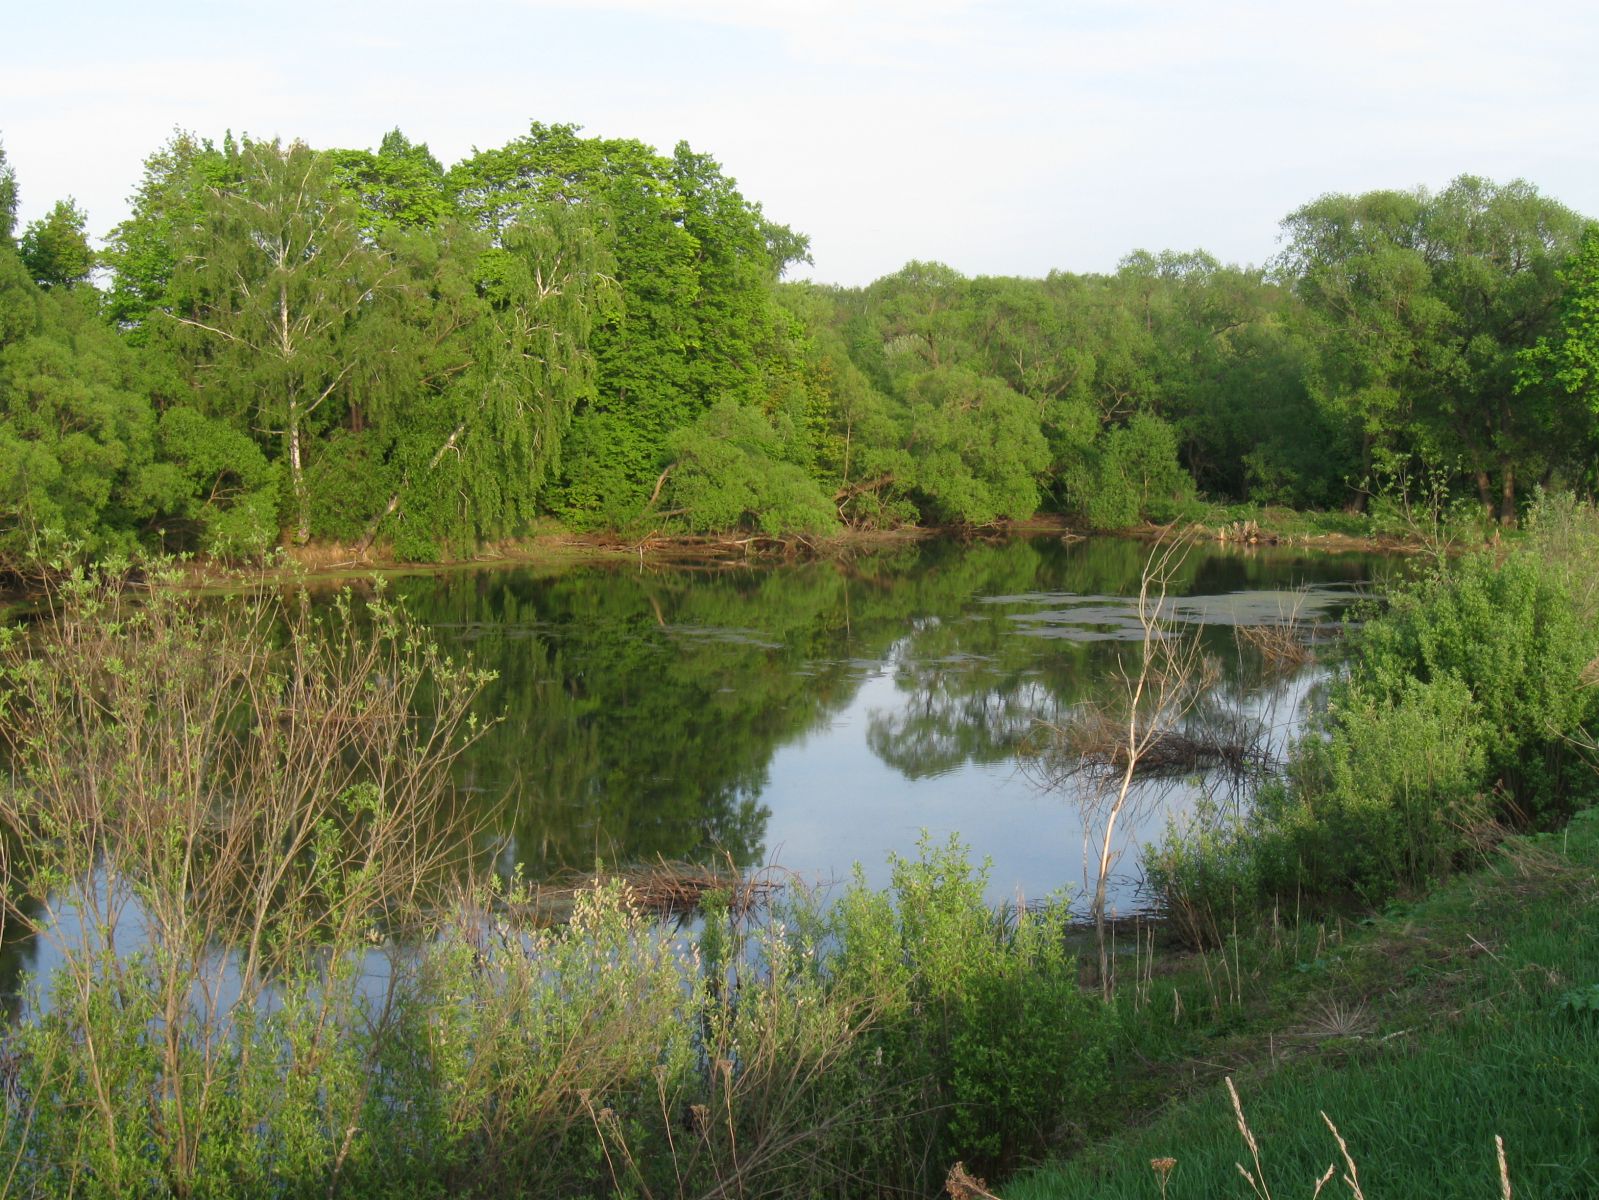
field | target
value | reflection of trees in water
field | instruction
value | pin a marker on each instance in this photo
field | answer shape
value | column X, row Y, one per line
column 638, row 712
column 974, row 686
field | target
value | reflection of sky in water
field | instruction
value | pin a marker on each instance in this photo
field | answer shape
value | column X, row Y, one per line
column 833, row 797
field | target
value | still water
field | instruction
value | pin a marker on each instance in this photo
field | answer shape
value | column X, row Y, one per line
column 821, row 714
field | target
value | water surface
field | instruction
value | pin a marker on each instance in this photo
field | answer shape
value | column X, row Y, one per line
column 820, row 714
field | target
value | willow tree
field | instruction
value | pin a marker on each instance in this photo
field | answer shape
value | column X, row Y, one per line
column 694, row 321
column 480, row 436
column 272, row 296
column 1422, row 306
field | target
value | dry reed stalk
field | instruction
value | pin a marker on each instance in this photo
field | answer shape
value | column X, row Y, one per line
column 1257, row 1177
column 963, row 1185
column 1351, row 1175
column 1279, row 646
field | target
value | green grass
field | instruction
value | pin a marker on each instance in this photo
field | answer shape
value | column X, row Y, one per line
column 1279, row 521
column 1421, row 1036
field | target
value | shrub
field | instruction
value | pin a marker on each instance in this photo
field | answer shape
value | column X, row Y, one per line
column 987, row 1014
column 1388, row 801
column 730, row 471
column 1509, row 633
column 1129, row 475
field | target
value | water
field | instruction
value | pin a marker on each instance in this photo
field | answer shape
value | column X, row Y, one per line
column 821, row 714
column 817, row 715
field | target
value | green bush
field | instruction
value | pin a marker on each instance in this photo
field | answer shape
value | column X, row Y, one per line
column 1130, row 474
column 1205, row 873
column 1387, row 802
column 730, row 471
column 1510, row 633
column 348, row 485
column 217, row 481
column 1468, row 702
column 986, row 1013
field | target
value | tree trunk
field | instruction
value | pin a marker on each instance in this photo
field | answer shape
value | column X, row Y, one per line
column 302, row 502
column 1507, row 494
column 1485, row 492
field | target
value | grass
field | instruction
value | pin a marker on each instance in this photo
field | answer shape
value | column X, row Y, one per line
column 1421, row 1036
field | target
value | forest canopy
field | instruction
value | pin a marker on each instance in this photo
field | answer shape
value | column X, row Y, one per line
column 284, row 344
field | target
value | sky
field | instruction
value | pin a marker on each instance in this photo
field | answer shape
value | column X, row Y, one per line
column 1010, row 137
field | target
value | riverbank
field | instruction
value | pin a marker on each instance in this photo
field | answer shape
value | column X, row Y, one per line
column 1422, row 1033
column 554, row 547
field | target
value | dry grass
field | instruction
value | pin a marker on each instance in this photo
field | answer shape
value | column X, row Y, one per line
column 1335, row 1019
column 662, row 888
column 963, row 1185
column 1281, row 647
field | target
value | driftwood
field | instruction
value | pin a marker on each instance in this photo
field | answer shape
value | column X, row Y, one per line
column 666, row 889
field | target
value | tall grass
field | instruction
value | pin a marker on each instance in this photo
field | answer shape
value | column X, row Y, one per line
column 1443, row 1032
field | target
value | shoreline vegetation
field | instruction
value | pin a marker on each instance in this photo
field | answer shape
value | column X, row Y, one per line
column 277, row 966
column 291, row 990
column 1244, row 527
column 286, row 347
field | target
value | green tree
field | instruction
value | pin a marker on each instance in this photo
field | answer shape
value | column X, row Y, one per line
column 1495, row 252
column 1356, row 264
column 976, row 448
column 505, row 347
column 56, row 249
column 733, row 469
column 76, row 429
column 168, row 204
column 271, row 295
column 401, row 186
column 8, row 200
column 1566, row 362
column 1420, row 306
column 694, row 318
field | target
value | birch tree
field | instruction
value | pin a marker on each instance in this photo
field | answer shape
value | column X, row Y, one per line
column 272, row 292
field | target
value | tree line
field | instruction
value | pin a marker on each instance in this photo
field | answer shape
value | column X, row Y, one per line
column 283, row 344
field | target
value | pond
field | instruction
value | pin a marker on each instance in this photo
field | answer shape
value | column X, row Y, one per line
column 816, row 715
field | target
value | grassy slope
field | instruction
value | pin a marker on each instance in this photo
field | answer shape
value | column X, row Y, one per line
column 1421, row 1036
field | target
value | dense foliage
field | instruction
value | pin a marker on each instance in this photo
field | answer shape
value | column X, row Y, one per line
column 285, row 344
column 1468, row 708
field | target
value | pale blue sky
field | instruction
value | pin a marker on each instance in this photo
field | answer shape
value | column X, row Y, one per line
column 1008, row 137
